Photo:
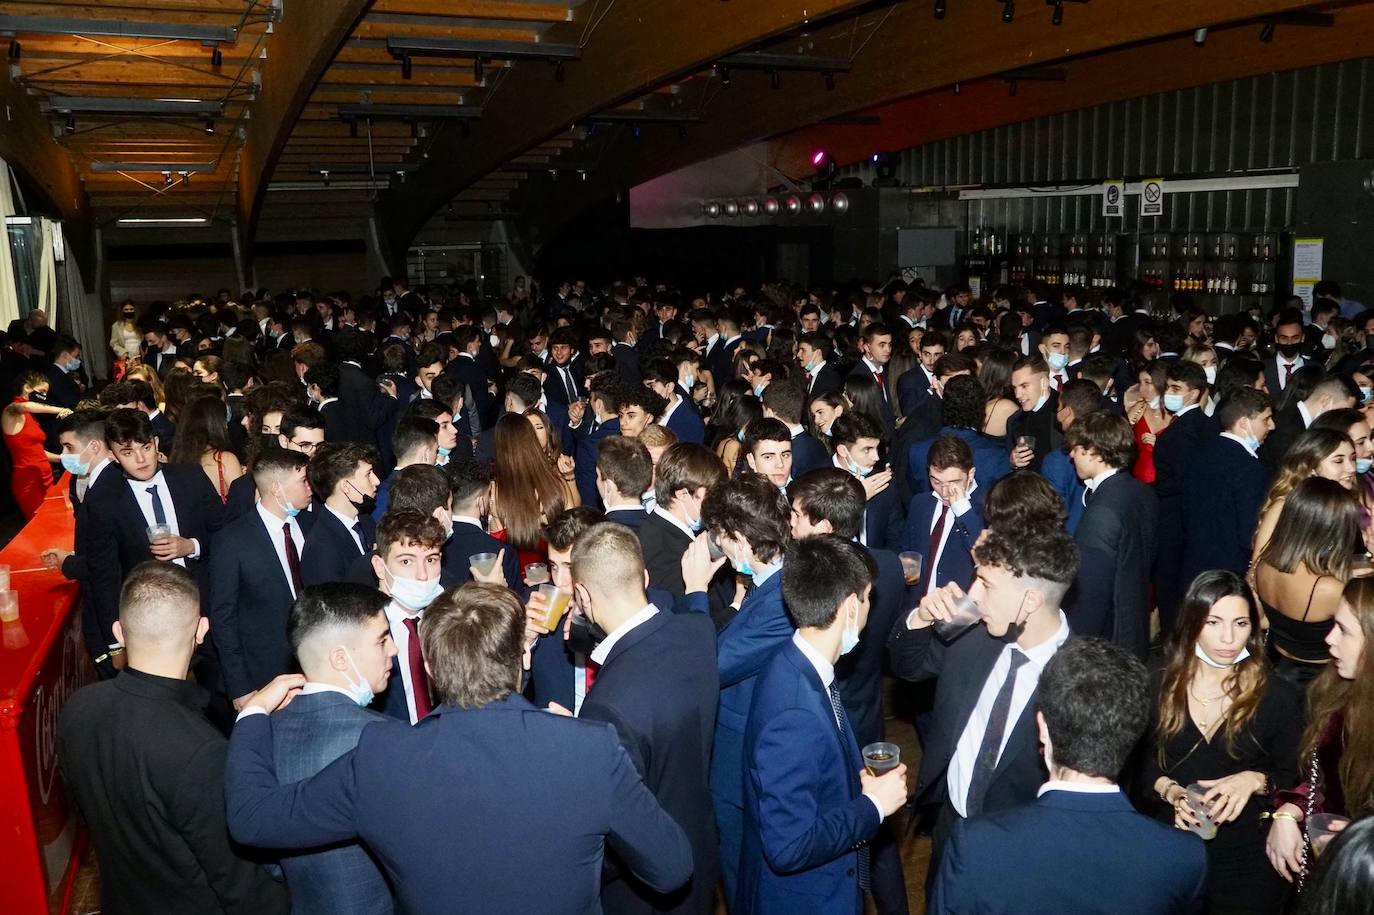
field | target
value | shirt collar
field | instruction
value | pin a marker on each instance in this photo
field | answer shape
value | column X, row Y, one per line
column 313, row 687
column 95, row 471
column 396, row 615
column 1306, row 414
column 272, row 521
column 796, row 430
column 1097, row 480
column 1240, row 441
column 672, row 406
column 1191, row 406
column 469, row 519
column 347, row 522
column 603, row 650
column 872, row 366
column 1041, row 654
column 766, row 571
column 1076, row 787
column 674, row 520
column 824, row 668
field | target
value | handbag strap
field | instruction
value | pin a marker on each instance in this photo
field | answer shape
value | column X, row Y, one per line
column 1313, row 776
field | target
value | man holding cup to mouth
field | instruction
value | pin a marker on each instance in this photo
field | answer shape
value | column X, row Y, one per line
column 981, row 752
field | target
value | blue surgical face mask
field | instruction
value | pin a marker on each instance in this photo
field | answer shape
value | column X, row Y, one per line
column 1365, row 394
column 1044, row 398
column 758, row 390
column 413, row 593
column 1057, row 361
column 849, row 637
column 689, row 382
column 73, row 365
column 740, row 435
column 361, row 692
column 1362, row 465
column 1173, row 402
column 444, row 452
column 290, row 510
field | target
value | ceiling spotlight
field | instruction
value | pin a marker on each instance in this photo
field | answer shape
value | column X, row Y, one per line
column 724, row 76
column 167, row 178
column 818, row 158
column 815, row 203
column 210, row 126
column 939, row 9
column 16, row 49
column 1267, row 32
column 216, row 58
column 406, row 69
column 582, row 173
column 712, row 209
column 324, row 173
column 1008, row 10
column 792, row 204
column 558, row 73
column 185, row 179
column 731, row 208
column 1200, row 37
column 771, row 206
column 776, row 78
column 1058, row 16
column 751, row 207
column 839, row 203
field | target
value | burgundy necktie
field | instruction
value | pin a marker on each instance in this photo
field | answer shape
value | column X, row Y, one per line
column 878, row 377
column 591, row 669
column 419, row 682
column 293, row 560
column 1287, row 374
column 935, row 536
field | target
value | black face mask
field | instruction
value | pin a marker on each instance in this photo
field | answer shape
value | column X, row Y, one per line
column 1289, row 350
column 364, row 504
column 584, row 635
column 38, row 396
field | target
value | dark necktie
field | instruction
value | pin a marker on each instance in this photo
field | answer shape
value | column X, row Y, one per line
column 936, row 534
column 568, row 384
column 991, row 747
column 362, row 536
column 1287, row 374
column 159, row 513
column 293, row 560
column 842, row 722
column 419, row 681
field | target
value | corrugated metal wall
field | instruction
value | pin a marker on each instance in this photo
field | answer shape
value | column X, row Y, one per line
column 1280, row 120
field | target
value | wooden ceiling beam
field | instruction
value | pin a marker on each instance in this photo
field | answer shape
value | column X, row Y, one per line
column 501, row 10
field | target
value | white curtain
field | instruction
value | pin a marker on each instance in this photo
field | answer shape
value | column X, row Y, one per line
column 9, row 291
column 85, row 313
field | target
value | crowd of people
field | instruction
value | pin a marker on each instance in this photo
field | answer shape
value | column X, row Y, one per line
column 586, row 601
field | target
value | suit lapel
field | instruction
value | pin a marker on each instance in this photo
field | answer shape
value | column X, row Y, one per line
column 269, row 549
column 636, row 635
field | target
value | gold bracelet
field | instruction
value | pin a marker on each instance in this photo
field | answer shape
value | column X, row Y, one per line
column 1285, row 816
column 1164, row 795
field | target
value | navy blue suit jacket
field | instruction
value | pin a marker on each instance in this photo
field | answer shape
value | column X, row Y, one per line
column 588, row 446
column 458, row 825
column 859, row 673
column 956, row 559
column 687, row 424
column 885, row 405
column 989, row 459
column 164, row 430
column 1070, row 852
column 330, row 548
column 808, row 454
column 913, row 389
column 633, row 518
column 470, row 374
column 804, row 809
column 884, row 519
column 1222, row 499
column 250, row 603
column 467, row 541
column 824, row 381
column 1058, row 469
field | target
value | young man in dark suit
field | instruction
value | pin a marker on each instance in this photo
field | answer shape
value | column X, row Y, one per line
column 1115, row 536
column 563, row 383
column 810, row 805
column 678, row 413
column 340, row 636
column 453, row 830
column 875, row 343
column 656, row 684
column 944, row 523
column 962, row 404
column 593, row 422
column 784, row 401
column 917, row 384
column 1289, row 340
column 180, row 497
column 857, row 439
column 981, row 752
column 1093, row 709
column 1175, row 450
column 1226, row 487
column 344, row 478
column 830, row 501
column 255, row 575
column 1030, row 385
column 626, row 357
column 1335, row 392
column 141, row 742
column 479, row 404
column 813, row 355
column 624, row 471
column 406, row 567
column 471, row 485
column 342, row 422
column 685, row 473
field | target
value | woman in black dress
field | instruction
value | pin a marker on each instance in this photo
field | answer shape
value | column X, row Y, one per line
column 1223, row 722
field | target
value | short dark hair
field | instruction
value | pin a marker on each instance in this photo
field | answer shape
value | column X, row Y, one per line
column 127, row 426
column 851, row 425
column 950, row 363
column 1022, row 502
column 949, row 450
column 819, row 573
column 638, row 395
column 524, row 388
column 406, row 525
column 685, row 466
column 786, row 399
column 413, row 433
column 830, row 494
column 1095, row 698
column 84, row 424
column 626, row 463
column 1050, row 556
column 303, row 418
column 468, row 478
column 473, row 640
column 335, row 603
column 335, row 461
column 765, row 430
column 1190, row 374
column 1081, row 396
column 1241, row 403
column 422, row 487
column 1107, row 435
column 324, row 376
column 273, row 463
column 568, row 525
column 752, row 507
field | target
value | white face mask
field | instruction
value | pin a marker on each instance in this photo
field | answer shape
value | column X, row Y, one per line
column 1211, row 372
column 413, row 593
column 361, row 692
column 1205, row 658
column 850, row 636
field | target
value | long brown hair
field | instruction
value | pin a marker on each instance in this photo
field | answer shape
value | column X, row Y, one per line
column 528, row 490
column 1331, row 694
column 1301, row 461
column 1317, row 528
column 1246, row 681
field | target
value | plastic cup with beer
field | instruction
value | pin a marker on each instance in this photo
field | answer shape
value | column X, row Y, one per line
column 911, row 566
column 1205, row 829
column 9, row 606
column 555, row 602
column 483, row 563
column 881, row 757
column 1026, row 441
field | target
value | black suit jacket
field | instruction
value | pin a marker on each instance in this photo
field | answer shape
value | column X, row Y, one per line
column 97, row 627
column 808, row 454
column 250, row 601
column 473, row 377
column 1222, row 499
column 164, row 430
column 663, row 544
column 1116, row 542
column 346, row 423
column 885, row 404
column 633, row 518
column 469, row 540
column 658, row 687
column 627, row 363
column 1288, row 425
column 359, row 393
column 123, row 531
column 825, row 381
column 330, row 548
column 555, row 388
column 146, row 769
column 1041, row 424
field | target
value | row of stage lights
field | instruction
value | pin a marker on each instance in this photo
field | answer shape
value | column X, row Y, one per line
column 792, row 205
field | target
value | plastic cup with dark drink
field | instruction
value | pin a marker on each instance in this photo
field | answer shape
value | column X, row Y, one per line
column 966, row 616
column 881, row 757
column 911, row 566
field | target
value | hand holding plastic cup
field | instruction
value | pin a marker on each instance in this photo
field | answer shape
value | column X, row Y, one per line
column 1205, row 829
column 1322, row 828
column 911, row 566
column 536, row 573
column 159, row 532
column 1025, row 441
column 881, row 757
column 483, row 562
column 555, row 602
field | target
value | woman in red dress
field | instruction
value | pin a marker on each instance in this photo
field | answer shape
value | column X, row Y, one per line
column 1145, row 410
column 32, row 477
column 527, row 492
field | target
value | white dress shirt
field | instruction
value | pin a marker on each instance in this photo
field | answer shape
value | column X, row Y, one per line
column 83, row 486
column 164, row 495
column 1240, row 441
column 958, row 509
column 273, row 524
column 603, row 650
column 672, row 407
column 674, row 520
column 1306, row 415
column 1090, row 485
column 347, row 523
column 1077, row 787
column 396, row 615
column 826, row 671
column 1280, row 369
column 312, row 687
column 965, row 759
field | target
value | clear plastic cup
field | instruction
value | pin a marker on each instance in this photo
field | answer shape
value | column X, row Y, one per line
column 966, row 616
column 157, row 532
column 1322, row 828
column 555, row 602
column 4, row 578
column 9, row 606
column 1025, row 441
column 1205, row 829
column 536, row 573
column 483, row 563
column 911, row 566
column 881, row 757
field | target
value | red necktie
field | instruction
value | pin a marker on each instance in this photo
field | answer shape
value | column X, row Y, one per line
column 591, row 669
column 419, row 682
column 1057, row 382
column 935, row 536
column 878, row 377
column 1287, row 374
column 293, row 560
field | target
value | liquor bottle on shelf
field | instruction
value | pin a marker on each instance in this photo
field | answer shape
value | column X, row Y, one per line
column 1231, row 249
column 1266, row 249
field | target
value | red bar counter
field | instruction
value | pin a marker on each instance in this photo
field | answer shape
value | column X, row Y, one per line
column 43, row 660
